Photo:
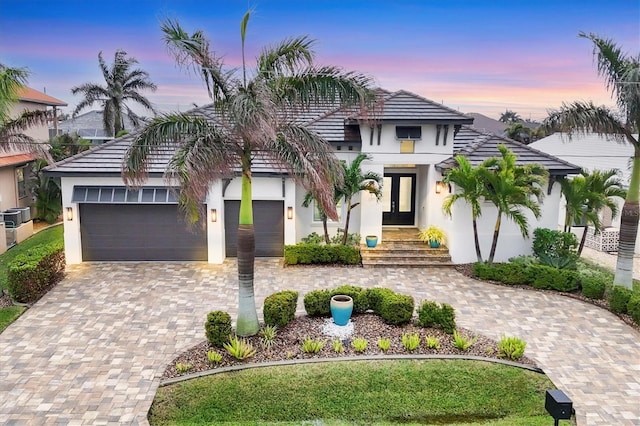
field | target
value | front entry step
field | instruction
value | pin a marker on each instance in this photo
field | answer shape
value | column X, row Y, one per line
column 402, row 248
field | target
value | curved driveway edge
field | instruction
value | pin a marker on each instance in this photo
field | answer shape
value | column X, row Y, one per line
column 93, row 349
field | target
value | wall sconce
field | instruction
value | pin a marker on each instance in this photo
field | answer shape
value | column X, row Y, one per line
column 69, row 214
column 289, row 212
column 214, row 215
column 439, row 186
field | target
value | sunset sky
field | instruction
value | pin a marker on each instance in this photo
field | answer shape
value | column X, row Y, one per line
column 475, row 56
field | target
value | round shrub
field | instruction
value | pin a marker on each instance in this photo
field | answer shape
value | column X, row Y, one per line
column 318, row 303
column 375, row 296
column 280, row 308
column 428, row 313
column 218, row 328
column 397, row 310
column 593, row 285
column 633, row 307
column 619, row 299
column 447, row 318
column 360, row 301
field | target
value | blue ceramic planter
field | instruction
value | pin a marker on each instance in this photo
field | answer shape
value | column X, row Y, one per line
column 372, row 241
column 341, row 309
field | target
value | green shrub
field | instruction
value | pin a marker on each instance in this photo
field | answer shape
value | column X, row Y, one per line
column 280, row 308
column 548, row 277
column 375, row 296
column 485, row 271
column 619, row 299
column 31, row 274
column 359, row 344
column 463, row 342
column 447, row 320
column 239, row 348
column 633, row 307
column 313, row 238
column 397, row 309
column 359, row 296
column 555, row 248
column 312, row 346
column 217, row 328
column 431, row 314
column 511, row 348
column 318, row 303
column 411, row 341
column 594, row 284
column 307, row 254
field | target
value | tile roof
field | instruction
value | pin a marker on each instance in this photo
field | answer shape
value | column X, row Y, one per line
column 89, row 125
column 16, row 159
column 28, row 94
column 478, row 146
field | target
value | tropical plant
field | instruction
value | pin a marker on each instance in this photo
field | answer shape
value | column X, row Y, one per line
column 214, row 357
column 622, row 76
column 359, row 344
column 67, row 145
column 268, row 334
column 354, row 182
column 411, row 341
column 312, row 346
column 511, row 347
column 518, row 132
column 509, row 117
column 432, row 342
column 462, row 342
column 308, row 201
column 512, row 188
column 337, row 345
column 433, row 234
column 46, row 192
column 251, row 121
column 384, row 344
column 469, row 188
column 239, row 348
column 123, row 84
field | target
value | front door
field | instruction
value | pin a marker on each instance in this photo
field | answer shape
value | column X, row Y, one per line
column 398, row 199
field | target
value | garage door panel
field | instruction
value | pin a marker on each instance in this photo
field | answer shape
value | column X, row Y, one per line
column 121, row 232
column 268, row 222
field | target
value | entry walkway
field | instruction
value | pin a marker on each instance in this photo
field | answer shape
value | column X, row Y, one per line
column 92, row 350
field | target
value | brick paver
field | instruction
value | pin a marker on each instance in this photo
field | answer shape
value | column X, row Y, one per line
column 92, row 350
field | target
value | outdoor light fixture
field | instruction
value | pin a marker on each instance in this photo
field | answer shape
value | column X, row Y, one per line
column 214, row 215
column 439, row 186
column 289, row 212
column 69, row 214
column 558, row 405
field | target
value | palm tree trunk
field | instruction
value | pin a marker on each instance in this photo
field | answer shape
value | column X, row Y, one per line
column 477, row 240
column 628, row 229
column 583, row 239
column 496, row 232
column 326, row 229
column 346, row 222
column 247, row 322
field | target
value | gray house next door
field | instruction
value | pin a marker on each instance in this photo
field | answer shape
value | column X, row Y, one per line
column 268, row 222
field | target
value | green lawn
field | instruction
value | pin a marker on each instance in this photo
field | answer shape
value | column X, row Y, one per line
column 50, row 235
column 360, row 392
column 9, row 315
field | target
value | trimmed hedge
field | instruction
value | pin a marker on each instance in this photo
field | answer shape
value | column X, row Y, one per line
column 217, row 328
column 594, row 284
column 279, row 309
column 396, row 309
column 431, row 314
column 548, row 277
column 317, row 303
column 508, row 273
column 633, row 307
column 31, row 274
column 308, row 254
column 619, row 299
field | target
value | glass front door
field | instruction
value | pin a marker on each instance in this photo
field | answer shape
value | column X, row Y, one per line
column 398, row 199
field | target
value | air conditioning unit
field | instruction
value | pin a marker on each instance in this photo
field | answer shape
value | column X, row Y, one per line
column 12, row 218
column 26, row 213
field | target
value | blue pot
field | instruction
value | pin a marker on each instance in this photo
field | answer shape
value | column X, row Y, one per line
column 341, row 309
column 372, row 241
column 434, row 244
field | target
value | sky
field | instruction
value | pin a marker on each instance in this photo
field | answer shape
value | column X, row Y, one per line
column 474, row 56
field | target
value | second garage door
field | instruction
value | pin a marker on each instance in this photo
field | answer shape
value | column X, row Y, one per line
column 117, row 232
column 268, row 221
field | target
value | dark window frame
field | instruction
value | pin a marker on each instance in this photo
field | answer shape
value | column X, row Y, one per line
column 408, row 132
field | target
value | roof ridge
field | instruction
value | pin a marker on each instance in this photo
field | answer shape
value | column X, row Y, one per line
column 433, row 102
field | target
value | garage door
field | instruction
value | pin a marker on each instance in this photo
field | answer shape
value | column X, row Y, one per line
column 132, row 232
column 268, row 222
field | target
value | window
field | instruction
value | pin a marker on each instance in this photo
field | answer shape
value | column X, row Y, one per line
column 22, row 187
column 408, row 132
column 317, row 216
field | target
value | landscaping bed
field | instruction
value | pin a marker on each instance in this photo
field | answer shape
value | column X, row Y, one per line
column 289, row 340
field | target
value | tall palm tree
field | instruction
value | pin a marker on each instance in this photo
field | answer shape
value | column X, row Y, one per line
column 509, row 117
column 354, row 182
column 575, row 194
column 622, row 76
column 123, row 84
column 254, row 120
column 468, row 188
column 12, row 137
column 512, row 188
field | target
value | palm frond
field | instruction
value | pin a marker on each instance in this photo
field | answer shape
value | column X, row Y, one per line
column 584, row 117
column 286, row 57
column 11, row 81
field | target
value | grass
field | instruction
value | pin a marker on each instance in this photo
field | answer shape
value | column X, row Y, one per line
column 46, row 236
column 360, row 392
column 9, row 315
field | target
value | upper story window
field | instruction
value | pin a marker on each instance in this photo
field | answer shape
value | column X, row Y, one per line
column 408, row 132
column 22, row 187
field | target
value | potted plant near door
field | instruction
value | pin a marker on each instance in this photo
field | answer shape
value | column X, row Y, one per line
column 434, row 236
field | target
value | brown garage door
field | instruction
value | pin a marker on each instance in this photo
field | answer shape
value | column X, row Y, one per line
column 121, row 232
column 268, row 222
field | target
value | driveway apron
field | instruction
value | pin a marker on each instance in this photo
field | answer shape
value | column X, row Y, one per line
column 92, row 350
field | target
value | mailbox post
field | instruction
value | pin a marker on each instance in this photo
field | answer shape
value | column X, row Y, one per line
column 558, row 405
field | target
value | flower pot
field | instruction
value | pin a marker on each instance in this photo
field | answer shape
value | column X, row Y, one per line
column 341, row 309
column 372, row 241
column 434, row 244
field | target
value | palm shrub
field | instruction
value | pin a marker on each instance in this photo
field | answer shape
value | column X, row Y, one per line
column 619, row 297
column 280, row 308
column 218, row 328
column 511, row 347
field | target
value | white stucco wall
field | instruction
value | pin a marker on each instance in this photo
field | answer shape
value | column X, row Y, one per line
column 38, row 132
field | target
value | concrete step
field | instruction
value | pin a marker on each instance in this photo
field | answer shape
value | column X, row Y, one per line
column 406, row 263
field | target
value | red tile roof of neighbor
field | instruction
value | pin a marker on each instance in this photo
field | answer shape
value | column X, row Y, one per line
column 31, row 95
column 10, row 160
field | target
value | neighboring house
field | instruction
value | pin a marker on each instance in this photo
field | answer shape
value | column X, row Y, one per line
column 486, row 124
column 410, row 139
column 89, row 126
column 592, row 152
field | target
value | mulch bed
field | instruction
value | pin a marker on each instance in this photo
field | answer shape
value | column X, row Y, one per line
column 289, row 341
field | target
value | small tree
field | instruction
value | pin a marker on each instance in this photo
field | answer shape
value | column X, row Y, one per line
column 46, row 191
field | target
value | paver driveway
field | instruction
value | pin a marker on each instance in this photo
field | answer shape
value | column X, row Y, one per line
column 92, row 350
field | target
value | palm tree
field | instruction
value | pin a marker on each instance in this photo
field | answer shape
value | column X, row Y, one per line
column 576, row 194
column 354, row 182
column 308, row 199
column 511, row 188
column 254, row 119
column 622, row 76
column 469, row 188
column 123, row 84
column 509, row 117
column 12, row 137
column 518, row 132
